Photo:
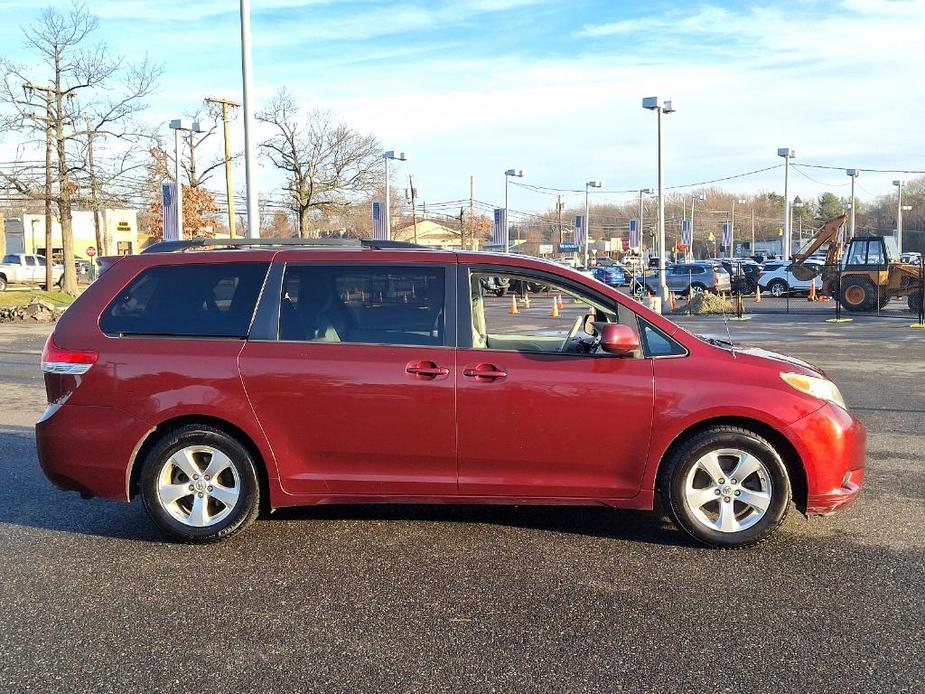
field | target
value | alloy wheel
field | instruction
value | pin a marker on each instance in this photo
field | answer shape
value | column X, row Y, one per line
column 198, row 486
column 728, row 490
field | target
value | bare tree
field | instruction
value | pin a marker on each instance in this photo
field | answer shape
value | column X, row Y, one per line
column 326, row 162
column 90, row 95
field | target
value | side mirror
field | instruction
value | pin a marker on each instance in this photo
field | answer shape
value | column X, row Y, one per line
column 618, row 339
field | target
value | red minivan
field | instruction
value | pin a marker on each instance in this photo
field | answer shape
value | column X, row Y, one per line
column 216, row 381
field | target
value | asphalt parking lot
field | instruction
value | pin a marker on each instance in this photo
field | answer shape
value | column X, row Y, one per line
column 423, row 599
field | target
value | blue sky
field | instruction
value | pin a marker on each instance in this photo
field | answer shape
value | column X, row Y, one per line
column 473, row 87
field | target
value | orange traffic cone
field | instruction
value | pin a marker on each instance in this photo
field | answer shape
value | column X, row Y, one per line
column 812, row 291
column 555, row 309
column 758, row 294
column 559, row 303
column 671, row 301
column 526, row 301
column 514, row 305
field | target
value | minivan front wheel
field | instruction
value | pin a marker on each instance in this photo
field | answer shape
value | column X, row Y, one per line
column 198, row 484
column 726, row 487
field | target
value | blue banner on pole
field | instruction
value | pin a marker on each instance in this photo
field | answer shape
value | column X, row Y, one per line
column 497, row 230
column 581, row 233
column 380, row 233
column 635, row 233
column 169, row 209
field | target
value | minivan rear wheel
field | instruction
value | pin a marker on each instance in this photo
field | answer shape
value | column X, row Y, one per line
column 726, row 487
column 198, row 484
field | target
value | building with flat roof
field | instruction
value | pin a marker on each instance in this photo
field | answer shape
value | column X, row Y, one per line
column 118, row 227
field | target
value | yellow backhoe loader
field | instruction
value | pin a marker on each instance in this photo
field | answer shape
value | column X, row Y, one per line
column 871, row 272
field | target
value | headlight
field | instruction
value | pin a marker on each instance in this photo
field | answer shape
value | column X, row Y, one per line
column 817, row 387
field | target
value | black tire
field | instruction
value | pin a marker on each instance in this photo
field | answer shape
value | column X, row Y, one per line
column 241, row 513
column 914, row 300
column 696, row 288
column 858, row 294
column 778, row 288
column 501, row 292
column 2, row 283
column 676, row 469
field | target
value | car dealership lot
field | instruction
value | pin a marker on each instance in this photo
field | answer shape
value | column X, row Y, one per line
column 474, row 598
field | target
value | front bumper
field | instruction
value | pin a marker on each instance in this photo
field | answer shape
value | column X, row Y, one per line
column 833, row 447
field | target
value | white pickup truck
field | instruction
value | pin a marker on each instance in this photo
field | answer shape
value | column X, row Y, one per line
column 22, row 268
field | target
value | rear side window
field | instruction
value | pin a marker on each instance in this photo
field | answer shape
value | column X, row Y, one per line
column 213, row 300
column 377, row 305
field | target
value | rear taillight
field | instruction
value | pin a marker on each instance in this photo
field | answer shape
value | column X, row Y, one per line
column 70, row 362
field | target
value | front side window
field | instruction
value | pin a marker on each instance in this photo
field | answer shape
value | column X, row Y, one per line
column 30, row 260
column 205, row 300
column 365, row 304
column 542, row 326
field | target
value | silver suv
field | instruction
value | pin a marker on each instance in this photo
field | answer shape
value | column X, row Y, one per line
column 696, row 277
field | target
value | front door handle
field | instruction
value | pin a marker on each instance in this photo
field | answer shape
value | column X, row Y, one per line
column 426, row 369
column 485, row 373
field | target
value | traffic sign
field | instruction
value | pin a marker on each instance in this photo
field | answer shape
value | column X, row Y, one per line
column 91, row 251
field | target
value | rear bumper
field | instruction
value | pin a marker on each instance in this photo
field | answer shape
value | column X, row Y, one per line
column 833, row 446
column 88, row 449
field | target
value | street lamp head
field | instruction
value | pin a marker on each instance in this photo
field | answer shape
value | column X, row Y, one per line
column 647, row 191
column 650, row 102
column 898, row 183
column 391, row 154
column 854, row 173
column 740, row 201
column 906, row 208
column 668, row 108
column 593, row 184
column 786, row 152
column 698, row 196
column 519, row 173
column 181, row 124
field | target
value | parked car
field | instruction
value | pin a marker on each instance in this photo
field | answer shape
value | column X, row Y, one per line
column 685, row 278
column 781, row 281
column 26, row 269
column 612, row 275
column 215, row 383
column 913, row 258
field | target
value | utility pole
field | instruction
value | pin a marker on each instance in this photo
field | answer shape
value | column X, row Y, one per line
column 250, row 157
column 462, row 233
column 49, row 275
column 753, row 231
column 851, row 223
column 471, row 208
column 414, row 212
column 227, row 105
column 94, row 200
column 787, row 154
column 899, row 214
column 559, row 214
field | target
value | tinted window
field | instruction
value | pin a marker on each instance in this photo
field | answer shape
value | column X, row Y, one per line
column 40, row 260
column 214, row 300
column 11, row 259
column 658, row 344
column 30, row 260
column 378, row 305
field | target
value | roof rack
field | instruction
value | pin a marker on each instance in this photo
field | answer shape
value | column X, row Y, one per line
column 180, row 245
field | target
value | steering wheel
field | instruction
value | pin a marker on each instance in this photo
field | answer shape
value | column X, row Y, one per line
column 578, row 340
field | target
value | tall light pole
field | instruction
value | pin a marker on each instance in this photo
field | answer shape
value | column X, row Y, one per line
column 694, row 198
column 787, row 154
column 588, row 186
column 798, row 205
column 899, row 214
column 642, row 210
column 179, row 125
column 854, row 173
column 387, row 157
column 507, row 225
column 653, row 104
column 250, row 157
column 732, row 227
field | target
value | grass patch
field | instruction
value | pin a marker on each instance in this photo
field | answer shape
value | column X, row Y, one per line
column 20, row 298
